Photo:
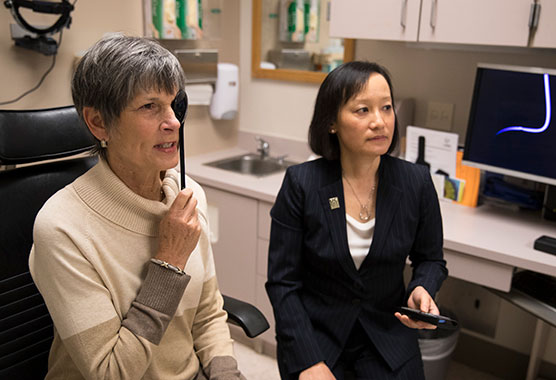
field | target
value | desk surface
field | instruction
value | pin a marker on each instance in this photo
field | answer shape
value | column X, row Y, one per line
column 499, row 235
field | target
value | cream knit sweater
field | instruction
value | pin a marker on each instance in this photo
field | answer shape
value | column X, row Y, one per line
column 116, row 314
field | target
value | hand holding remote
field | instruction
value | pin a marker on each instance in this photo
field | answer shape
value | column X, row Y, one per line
column 419, row 300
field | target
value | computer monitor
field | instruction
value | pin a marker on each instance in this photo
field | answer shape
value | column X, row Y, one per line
column 511, row 128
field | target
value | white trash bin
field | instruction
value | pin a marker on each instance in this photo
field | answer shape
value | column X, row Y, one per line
column 436, row 349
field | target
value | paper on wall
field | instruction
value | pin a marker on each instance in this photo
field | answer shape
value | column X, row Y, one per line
column 440, row 148
column 199, row 94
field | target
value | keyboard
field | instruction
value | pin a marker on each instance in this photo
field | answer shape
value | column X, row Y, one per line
column 537, row 285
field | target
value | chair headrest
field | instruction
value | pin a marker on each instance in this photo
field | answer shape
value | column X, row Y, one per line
column 37, row 135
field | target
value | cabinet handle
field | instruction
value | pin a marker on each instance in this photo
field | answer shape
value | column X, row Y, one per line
column 432, row 21
column 403, row 16
column 534, row 15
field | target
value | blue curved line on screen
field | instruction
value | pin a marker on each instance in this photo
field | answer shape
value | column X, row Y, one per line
column 548, row 113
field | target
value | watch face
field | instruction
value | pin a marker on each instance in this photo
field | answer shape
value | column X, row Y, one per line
column 179, row 105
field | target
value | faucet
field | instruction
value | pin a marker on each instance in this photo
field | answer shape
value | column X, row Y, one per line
column 280, row 159
column 263, row 147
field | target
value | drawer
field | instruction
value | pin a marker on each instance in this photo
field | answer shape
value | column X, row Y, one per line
column 478, row 270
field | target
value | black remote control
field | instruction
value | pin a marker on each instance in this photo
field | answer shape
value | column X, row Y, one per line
column 546, row 244
column 437, row 320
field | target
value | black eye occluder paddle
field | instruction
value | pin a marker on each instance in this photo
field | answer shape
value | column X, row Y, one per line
column 179, row 105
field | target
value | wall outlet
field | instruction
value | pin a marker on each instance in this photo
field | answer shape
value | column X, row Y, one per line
column 440, row 115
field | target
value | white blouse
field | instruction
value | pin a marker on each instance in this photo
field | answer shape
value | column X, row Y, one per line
column 360, row 236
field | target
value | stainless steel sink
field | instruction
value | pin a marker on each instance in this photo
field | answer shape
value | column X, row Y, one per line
column 252, row 164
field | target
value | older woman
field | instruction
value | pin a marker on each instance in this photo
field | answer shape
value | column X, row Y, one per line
column 121, row 256
column 342, row 229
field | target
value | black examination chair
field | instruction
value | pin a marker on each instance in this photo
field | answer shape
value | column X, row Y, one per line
column 34, row 146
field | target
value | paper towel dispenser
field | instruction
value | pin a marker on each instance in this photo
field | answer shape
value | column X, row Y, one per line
column 209, row 82
column 199, row 65
column 225, row 99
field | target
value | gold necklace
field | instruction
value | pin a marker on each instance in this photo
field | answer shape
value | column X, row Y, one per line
column 365, row 213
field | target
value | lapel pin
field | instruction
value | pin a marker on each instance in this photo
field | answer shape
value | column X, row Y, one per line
column 334, row 203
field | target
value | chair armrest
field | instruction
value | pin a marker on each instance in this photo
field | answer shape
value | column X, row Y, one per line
column 246, row 316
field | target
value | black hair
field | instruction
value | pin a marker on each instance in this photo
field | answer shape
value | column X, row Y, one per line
column 339, row 86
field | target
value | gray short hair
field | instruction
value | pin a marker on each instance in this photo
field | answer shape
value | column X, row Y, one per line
column 117, row 68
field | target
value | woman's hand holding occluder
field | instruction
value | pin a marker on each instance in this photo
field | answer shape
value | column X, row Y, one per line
column 179, row 230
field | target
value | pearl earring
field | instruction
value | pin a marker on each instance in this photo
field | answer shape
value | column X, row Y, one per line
column 103, row 144
column 332, row 130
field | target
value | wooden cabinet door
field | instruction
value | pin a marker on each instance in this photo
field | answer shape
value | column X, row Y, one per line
column 545, row 35
column 477, row 22
column 233, row 219
column 396, row 20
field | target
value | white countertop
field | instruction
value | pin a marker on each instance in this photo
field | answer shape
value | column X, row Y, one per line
column 499, row 235
column 484, row 232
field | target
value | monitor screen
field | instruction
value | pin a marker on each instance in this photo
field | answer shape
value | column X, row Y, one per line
column 511, row 129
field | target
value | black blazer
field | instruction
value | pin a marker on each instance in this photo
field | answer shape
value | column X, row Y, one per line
column 317, row 293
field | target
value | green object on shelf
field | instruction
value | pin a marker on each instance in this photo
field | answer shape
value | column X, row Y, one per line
column 157, row 20
column 181, row 9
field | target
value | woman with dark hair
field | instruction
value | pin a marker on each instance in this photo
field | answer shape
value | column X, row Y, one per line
column 342, row 229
